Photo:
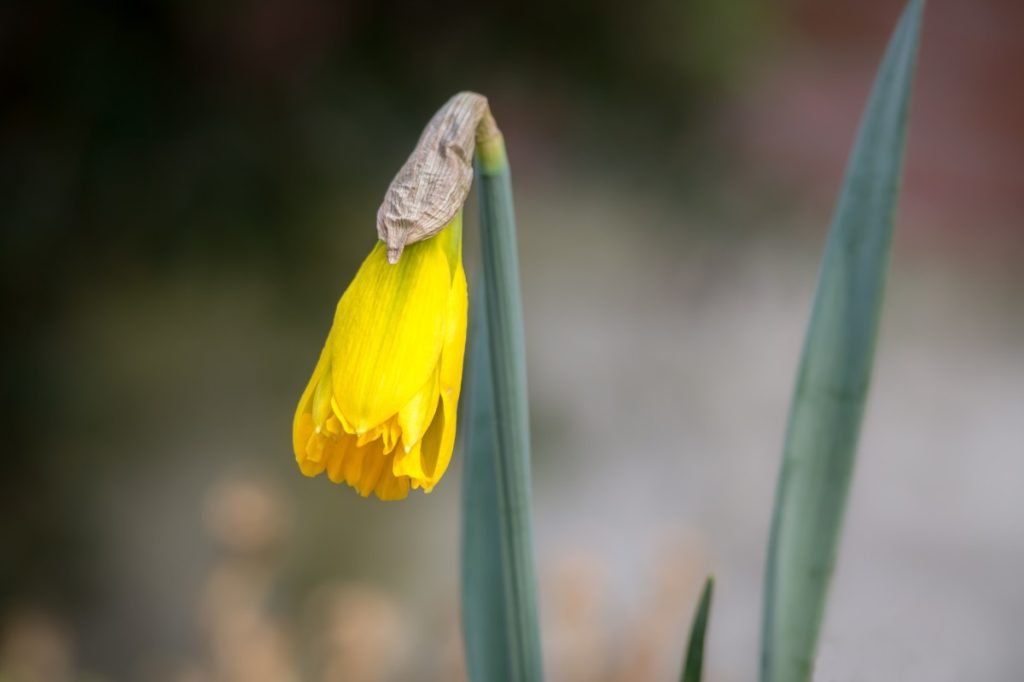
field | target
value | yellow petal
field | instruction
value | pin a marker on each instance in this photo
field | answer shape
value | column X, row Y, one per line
column 451, row 381
column 415, row 417
column 344, row 422
column 410, row 462
column 325, row 447
column 392, row 487
column 311, row 467
column 388, row 332
column 450, row 241
column 332, row 426
column 352, row 466
column 454, row 350
column 315, row 447
column 437, row 446
column 389, row 432
column 338, row 453
column 321, row 402
column 302, row 429
column 428, row 461
column 303, row 424
column 374, row 461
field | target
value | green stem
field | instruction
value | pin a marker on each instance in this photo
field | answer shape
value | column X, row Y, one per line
column 484, row 609
column 511, row 439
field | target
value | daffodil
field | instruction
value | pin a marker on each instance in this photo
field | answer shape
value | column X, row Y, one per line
column 379, row 412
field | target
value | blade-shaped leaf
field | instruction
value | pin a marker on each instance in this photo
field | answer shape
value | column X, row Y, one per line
column 693, row 667
column 835, row 371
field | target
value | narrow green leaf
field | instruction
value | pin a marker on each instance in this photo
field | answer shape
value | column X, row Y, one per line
column 835, row 372
column 693, row 667
column 499, row 583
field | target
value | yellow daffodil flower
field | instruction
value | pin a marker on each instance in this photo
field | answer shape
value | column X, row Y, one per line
column 379, row 411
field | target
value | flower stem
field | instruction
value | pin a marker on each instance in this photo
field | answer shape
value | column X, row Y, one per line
column 485, row 619
column 512, row 625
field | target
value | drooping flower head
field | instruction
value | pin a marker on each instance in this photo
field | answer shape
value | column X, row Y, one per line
column 379, row 412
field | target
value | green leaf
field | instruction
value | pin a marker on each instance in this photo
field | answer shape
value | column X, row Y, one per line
column 693, row 667
column 499, row 584
column 835, row 372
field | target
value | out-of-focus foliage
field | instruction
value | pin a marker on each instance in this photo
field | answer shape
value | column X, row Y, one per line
column 693, row 664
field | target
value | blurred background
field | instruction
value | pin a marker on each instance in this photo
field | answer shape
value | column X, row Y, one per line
column 186, row 188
